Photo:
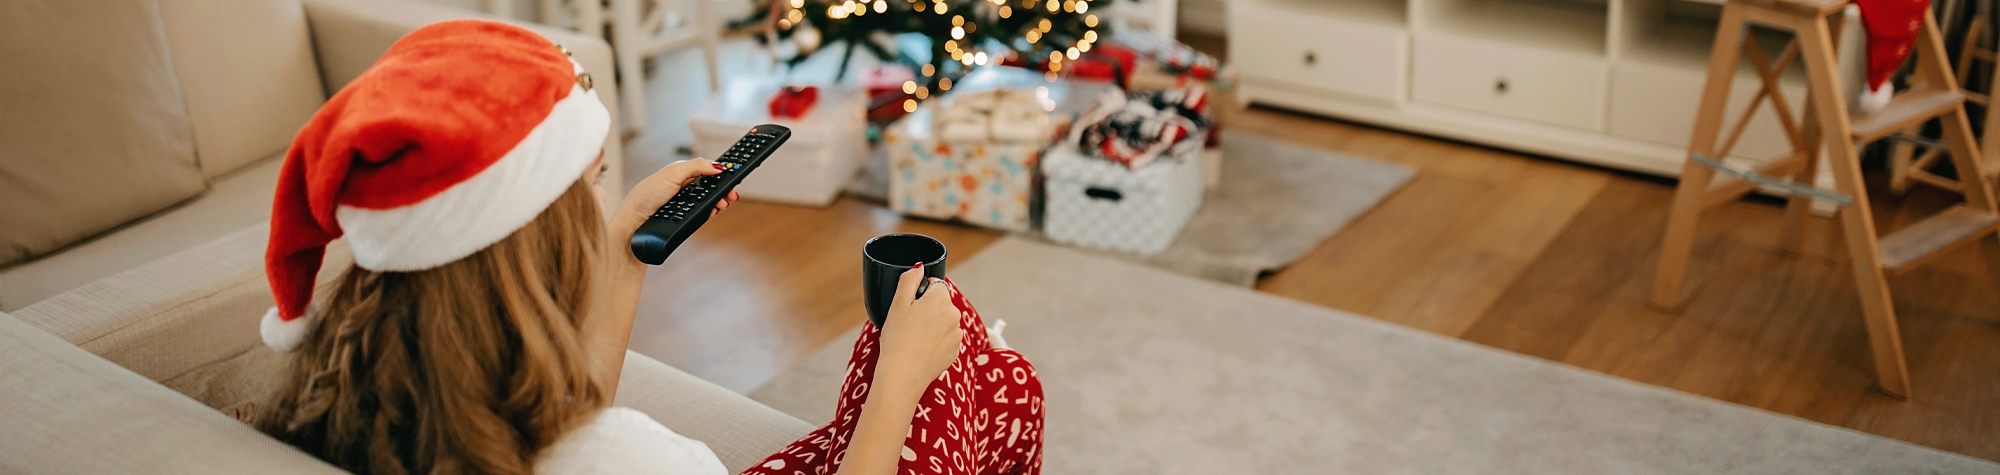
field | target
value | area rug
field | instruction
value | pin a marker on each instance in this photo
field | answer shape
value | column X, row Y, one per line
column 1276, row 202
column 1149, row 372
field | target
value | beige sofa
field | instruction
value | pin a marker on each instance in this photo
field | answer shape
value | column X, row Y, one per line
column 134, row 129
column 138, row 349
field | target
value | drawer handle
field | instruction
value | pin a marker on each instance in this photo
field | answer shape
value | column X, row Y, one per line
column 1311, row 58
column 1500, row 86
column 1103, row 193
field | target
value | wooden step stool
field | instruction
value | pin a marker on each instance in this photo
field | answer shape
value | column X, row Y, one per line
column 1816, row 23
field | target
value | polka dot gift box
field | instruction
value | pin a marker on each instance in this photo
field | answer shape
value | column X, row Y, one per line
column 974, row 160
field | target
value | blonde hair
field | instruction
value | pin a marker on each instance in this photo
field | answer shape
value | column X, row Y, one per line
column 471, row 367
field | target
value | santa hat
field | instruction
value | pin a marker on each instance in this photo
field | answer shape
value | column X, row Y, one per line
column 1892, row 27
column 462, row 133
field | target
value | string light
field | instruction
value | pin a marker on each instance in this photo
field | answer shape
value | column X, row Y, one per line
column 920, row 6
column 928, row 71
column 957, row 32
column 1034, row 35
column 784, row 24
column 956, row 54
column 1083, row 46
column 944, row 84
column 1055, row 66
column 1090, row 21
column 967, row 59
column 1072, row 52
column 1006, row 11
column 1090, row 36
column 1069, row 5
column 1055, row 56
column 979, row 58
column 836, row 12
column 909, row 87
column 957, row 20
column 1053, row 6
column 1082, row 7
column 949, row 45
column 923, row 92
column 883, row 6
column 941, row 7
column 798, row 3
column 860, row 10
column 1045, row 25
column 796, row 16
column 1052, row 77
column 909, row 105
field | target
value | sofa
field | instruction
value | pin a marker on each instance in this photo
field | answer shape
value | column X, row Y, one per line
column 132, row 346
column 134, row 129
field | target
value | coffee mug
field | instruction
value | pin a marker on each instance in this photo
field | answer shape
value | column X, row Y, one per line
column 883, row 261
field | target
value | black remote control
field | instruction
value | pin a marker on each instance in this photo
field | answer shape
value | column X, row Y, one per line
column 689, row 209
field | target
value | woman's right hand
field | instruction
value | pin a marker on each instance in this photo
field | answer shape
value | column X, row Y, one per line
column 921, row 337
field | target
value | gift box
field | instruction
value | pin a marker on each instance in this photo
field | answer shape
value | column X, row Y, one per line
column 828, row 142
column 1098, row 203
column 971, row 170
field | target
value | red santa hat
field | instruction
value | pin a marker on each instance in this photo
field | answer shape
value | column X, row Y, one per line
column 462, row 133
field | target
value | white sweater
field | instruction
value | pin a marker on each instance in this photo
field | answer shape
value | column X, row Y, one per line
column 625, row 441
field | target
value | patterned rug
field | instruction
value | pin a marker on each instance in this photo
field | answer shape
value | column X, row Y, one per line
column 1276, row 202
column 1149, row 372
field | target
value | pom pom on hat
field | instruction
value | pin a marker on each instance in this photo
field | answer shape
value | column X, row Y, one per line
column 461, row 134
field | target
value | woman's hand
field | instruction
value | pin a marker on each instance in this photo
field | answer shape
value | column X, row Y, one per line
column 921, row 337
column 653, row 192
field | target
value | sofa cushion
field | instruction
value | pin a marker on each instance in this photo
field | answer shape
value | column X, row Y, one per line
column 188, row 320
column 94, row 132
column 246, row 69
column 66, row 411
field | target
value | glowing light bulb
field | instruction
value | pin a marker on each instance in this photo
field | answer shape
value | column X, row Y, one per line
column 967, row 59
column 909, row 105
column 928, row 71
column 1072, row 53
column 1084, row 46
column 1055, row 56
column 957, row 20
column 1090, row 35
column 1055, row 66
column 1034, row 35
column 1006, row 11
column 950, row 45
column 919, row 6
column 909, row 87
column 979, row 58
column 941, row 7
column 1053, row 6
column 944, row 84
column 923, row 92
column 798, row 3
column 1082, row 7
column 957, row 32
column 1069, row 5
column 796, row 16
column 835, row 12
column 1045, row 25
column 883, row 6
column 1090, row 21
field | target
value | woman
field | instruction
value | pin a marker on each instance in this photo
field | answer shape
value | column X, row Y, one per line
column 483, row 326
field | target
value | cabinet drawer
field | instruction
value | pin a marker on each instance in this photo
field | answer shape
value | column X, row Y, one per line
column 1658, row 104
column 1539, row 85
column 1351, row 57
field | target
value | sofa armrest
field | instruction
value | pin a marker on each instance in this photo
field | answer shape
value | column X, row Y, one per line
column 66, row 411
column 349, row 35
column 740, row 431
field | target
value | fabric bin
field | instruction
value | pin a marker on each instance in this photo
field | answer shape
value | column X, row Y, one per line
column 1097, row 203
column 827, row 146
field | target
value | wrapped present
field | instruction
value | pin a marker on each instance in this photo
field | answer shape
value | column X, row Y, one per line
column 1165, row 63
column 984, row 182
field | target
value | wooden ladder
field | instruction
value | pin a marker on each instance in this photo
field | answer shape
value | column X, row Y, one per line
column 1816, row 24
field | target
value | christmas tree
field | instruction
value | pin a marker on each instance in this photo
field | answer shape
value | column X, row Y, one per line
column 970, row 33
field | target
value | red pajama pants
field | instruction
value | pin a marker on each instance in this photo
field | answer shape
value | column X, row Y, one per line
column 983, row 416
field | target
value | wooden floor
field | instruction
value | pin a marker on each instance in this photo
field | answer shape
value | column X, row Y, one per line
column 1532, row 255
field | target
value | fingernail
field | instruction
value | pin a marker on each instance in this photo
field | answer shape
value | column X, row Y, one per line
column 717, row 166
column 919, row 266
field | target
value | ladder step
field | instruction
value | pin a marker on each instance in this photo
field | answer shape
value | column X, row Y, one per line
column 1946, row 230
column 1906, row 109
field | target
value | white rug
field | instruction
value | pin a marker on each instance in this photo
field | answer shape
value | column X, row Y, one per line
column 1151, row 372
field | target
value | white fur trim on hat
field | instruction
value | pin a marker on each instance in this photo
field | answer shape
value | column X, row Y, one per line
column 486, row 208
column 284, row 336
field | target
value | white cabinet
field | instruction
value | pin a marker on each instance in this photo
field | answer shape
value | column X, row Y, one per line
column 1541, row 85
column 1338, row 55
column 1607, row 82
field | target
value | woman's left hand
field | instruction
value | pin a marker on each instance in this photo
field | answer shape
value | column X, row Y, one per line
column 653, row 192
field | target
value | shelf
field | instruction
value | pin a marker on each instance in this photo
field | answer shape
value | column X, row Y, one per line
column 1380, row 12
column 1572, row 26
column 1680, row 33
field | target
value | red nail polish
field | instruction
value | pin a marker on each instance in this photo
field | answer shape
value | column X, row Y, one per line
column 717, row 166
column 919, row 266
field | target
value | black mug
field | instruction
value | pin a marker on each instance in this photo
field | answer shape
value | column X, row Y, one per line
column 883, row 261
